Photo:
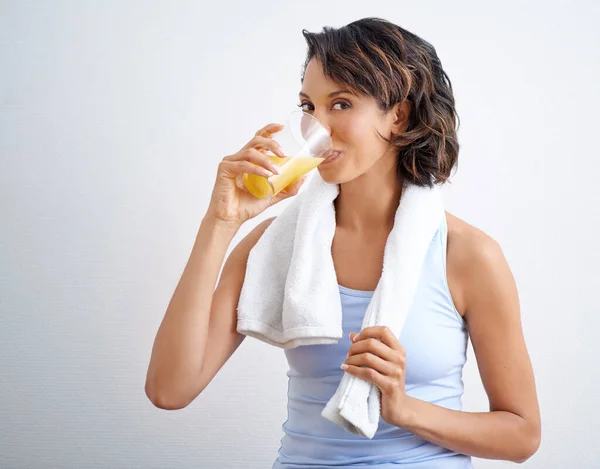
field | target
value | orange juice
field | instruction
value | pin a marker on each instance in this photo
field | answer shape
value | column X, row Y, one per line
column 291, row 169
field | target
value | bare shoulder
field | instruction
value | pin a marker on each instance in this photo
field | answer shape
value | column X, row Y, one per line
column 250, row 240
column 234, row 270
column 473, row 257
column 468, row 239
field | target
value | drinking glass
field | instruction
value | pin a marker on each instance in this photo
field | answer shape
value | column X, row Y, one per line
column 305, row 142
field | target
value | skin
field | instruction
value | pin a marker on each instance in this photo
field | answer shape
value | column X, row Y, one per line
column 480, row 281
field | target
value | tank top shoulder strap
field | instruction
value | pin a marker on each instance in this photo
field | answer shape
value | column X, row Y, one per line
column 444, row 235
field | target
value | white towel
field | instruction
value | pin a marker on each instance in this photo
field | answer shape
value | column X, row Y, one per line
column 290, row 296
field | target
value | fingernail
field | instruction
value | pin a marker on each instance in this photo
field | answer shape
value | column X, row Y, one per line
column 355, row 338
column 275, row 169
column 344, row 366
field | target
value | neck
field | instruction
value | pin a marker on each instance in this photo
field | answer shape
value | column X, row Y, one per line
column 369, row 202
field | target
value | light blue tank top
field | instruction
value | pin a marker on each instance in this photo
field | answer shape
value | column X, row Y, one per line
column 435, row 338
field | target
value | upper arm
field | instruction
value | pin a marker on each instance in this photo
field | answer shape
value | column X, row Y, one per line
column 223, row 339
column 493, row 316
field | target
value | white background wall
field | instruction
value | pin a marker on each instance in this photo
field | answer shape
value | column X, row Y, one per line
column 113, row 118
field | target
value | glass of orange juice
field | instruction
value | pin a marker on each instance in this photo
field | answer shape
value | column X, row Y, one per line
column 305, row 142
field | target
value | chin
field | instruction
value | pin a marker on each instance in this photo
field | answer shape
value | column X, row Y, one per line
column 329, row 176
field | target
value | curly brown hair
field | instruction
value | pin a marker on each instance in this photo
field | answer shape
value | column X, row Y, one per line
column 376, row 58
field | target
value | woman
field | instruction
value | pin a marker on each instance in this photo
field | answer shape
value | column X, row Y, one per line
column 388, row 104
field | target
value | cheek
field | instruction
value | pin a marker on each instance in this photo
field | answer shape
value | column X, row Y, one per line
column 355, row 131
column 344, row 131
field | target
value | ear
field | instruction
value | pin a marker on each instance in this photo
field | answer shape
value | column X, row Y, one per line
column 400, row 114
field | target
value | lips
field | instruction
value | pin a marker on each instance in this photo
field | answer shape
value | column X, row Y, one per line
column 332, row 156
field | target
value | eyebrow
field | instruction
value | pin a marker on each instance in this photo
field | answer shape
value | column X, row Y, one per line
column 335, row 93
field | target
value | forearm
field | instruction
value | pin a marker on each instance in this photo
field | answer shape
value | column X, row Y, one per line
column 489, row 435
column 180, row 344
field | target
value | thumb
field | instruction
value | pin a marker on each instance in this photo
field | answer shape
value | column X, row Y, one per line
column 291, row 190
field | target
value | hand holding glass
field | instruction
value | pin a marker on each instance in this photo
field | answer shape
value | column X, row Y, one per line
column 305, row 142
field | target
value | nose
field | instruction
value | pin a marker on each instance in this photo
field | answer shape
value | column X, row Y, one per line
column 324, row 145
column 322, row 118
column 311, row 130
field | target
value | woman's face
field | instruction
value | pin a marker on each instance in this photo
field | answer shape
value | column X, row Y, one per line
column 353, row 123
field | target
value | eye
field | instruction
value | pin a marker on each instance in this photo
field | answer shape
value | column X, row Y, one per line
column 301, row 105
column 344, row 105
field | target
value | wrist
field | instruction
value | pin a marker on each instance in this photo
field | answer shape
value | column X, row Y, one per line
column 229, row 226
column 408, row 414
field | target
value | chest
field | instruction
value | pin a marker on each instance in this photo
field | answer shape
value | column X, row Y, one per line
column 434, row 339
column 358, row 260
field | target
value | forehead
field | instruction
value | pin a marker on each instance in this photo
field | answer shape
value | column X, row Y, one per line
column 315, row 82
column 314, row 72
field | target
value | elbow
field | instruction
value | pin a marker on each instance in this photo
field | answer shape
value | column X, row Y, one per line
column 531, row 444
column 163, row 400
column 165, row 404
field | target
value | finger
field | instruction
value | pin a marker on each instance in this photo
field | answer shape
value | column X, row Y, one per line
column 234, row 168
column 289, row 191
column 382, row 333
column 368, row 374
column 265, row 143
column 382, row 367
column 372, row 361
column 381, row 349
column 269, row 130
column 375, row 347
column 239, row 182
column 295, row 186
column 256, row 157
